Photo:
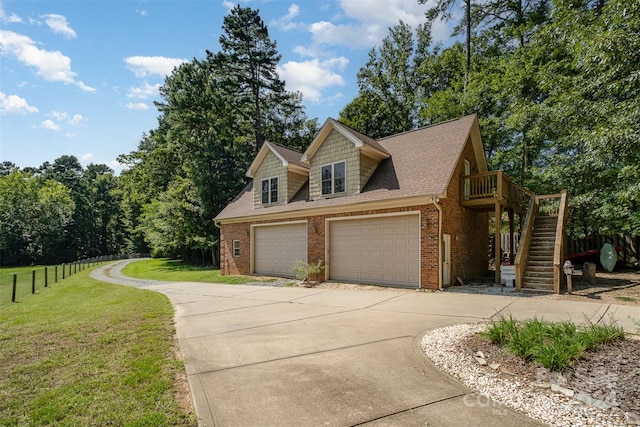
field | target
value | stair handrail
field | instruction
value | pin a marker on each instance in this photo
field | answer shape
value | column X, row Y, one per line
column 560, row 244
column 525, row 240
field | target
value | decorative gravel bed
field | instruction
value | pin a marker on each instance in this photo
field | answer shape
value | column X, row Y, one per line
column 607, row 380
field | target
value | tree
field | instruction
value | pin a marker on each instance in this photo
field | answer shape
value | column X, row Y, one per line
column 248, row 62
column 594, row 105
column 34, row 214
column 6, row 168
column 443, row 10
column 390, row 84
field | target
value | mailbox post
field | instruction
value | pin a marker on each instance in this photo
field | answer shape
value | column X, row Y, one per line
column 568, row 271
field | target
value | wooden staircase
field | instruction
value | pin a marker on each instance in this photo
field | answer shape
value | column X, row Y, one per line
column 542, row 244
column 538, row 273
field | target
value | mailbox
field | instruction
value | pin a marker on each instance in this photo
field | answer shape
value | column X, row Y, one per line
column 568, row 268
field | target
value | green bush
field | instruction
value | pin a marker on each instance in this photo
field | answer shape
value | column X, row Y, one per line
column 555, row 345
column 305, row 271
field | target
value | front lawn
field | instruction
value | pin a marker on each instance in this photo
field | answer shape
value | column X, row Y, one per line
column 176, row 271
column 82, row 352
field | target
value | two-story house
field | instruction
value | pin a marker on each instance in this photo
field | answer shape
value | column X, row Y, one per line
column 385, row 211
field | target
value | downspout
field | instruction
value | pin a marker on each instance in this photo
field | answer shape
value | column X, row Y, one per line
column 435, row 201
column 213, row 255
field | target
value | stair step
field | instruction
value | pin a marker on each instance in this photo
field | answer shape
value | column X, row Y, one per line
column 547, row 272
column 536, row 290
column 541, row 248
column 545, row 259
column 537, row 285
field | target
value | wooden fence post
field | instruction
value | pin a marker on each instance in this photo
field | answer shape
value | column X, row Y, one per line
column 63, row 269
column 15, row 284
column 55, row 274
column 46, row 276
column 33, row 281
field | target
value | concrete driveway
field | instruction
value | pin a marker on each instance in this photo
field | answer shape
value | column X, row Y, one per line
column 268, row 356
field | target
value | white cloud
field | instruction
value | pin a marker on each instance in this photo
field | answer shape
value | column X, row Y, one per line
column 86, row 158
column 142, row 12
column 145, row 91
column 53, row 66
column 143, row 66
column 59, row 25
column 136, row 106
column 368, row 22
column 77, row 119
column 49, row 124
column 352, row 35
column 13, row 104
column 311, row 77
column 285, row 23
column 58, row 116
column 8, row 19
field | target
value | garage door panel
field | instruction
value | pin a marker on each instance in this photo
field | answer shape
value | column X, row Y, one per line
column 383, row 250
column 277, row 247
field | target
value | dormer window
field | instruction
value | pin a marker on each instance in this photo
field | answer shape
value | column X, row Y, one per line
column 333, row 178
column 270, row 190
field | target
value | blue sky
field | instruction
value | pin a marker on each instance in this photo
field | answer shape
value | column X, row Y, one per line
column 80, row 77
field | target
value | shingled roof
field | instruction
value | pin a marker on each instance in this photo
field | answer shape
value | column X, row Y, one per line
column 287, row 155
column 421, row 163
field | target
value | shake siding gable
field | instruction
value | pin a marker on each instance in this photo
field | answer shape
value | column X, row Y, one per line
column 335, row 148
column 270, row 167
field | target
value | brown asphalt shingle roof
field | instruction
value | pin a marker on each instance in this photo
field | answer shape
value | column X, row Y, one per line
column 291, row 156
column 422, row 162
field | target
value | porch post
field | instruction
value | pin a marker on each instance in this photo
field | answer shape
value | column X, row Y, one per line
column 497, row 240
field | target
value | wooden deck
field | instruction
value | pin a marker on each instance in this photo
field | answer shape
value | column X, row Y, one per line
column 484, row 190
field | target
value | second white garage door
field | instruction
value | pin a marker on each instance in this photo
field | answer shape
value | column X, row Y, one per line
column 277, row 247
column 384, row 250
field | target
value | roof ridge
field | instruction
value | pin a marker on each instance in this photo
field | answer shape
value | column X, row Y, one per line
column 372, row 142
column 282, row 146
column 426, row 127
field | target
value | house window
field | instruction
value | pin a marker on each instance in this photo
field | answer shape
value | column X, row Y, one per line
column 269, row 190
column 333, row 178
column 236, row 248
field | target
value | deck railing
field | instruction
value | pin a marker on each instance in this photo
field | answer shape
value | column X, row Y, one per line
column 559, row 247
column 525, row 240
column 488, row 187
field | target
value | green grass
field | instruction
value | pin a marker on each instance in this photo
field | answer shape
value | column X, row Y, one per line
column 176, row 271
column 87, row 353
column 24, row 280
column 554, row 345
column 628, row 299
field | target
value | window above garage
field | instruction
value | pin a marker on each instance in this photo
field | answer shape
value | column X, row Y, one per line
column 333, row 178
column 270, row 190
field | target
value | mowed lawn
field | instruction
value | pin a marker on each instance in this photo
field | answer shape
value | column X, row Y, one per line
column 82, row 352
column 176, row 271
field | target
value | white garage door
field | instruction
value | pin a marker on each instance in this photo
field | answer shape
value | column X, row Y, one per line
column 383, row 250
column 277, row 247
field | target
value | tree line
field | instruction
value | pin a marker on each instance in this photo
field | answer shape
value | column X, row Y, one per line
column 555, row 85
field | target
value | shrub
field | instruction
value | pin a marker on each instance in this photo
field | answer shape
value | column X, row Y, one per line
column 305, row 271
column 555, row 345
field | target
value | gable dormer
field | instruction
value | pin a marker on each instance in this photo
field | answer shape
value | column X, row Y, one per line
column 341, row 161
column 277, row 174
